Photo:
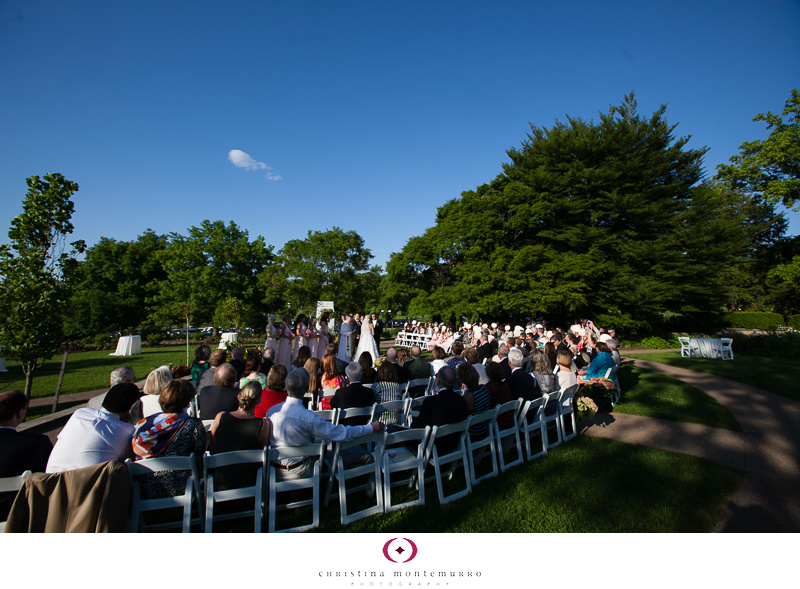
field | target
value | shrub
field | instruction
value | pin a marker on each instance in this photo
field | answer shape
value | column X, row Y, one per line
column 100, row 341
column 153, row 340
column 786, row 345
column 795, row 321
column 754, row 320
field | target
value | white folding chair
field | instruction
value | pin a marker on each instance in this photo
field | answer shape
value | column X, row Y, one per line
column 12, row 484
column 452, row 460
column 314, row 452
column 726, row 348
column 397, row 409
column 566, row 409
column 411, row 409
column 507, row 438
column 686, row 351
column 531, row 423
column 331, row 415
column 256, row 491
column 397, row 459
column 355, row 412
column 419, row 382
column 185, row 501
column 480, row 445
column 368, row 465
column 550, row 420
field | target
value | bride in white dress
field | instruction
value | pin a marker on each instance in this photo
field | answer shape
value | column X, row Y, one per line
column 367, row 341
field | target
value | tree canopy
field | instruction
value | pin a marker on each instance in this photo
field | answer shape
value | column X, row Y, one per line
column 770, row 168
column 609, row 219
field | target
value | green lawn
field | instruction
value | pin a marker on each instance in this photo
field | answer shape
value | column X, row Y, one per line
column 656, row 395
column 87, row 371
column 777, row 375
column 585, row 485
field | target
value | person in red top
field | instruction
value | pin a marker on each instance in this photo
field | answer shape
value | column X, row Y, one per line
column 275, row 392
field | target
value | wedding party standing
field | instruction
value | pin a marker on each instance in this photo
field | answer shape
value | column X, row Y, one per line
column 285, row 336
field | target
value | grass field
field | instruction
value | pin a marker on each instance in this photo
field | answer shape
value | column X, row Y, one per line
column 776, row 375
column 88, row 371
column 585, row 485
column 656, row 395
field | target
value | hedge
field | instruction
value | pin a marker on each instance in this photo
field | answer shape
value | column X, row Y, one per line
column 754, row 320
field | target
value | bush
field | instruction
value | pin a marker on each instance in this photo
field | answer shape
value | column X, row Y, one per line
column 753, row 320
column 100, row 341
column 654, row 342
column 153, row 340
column 795, row 321
column 786, row 345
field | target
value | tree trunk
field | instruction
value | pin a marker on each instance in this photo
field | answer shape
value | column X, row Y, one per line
column 61, row 376
column 28, row 383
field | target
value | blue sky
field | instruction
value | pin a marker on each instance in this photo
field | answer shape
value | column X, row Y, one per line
column 365, row 115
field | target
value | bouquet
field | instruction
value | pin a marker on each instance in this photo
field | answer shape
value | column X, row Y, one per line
column 586, row 407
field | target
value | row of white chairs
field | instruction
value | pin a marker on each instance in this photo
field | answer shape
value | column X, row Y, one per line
column 405, row 339
column 723, row 348
column 389, row 461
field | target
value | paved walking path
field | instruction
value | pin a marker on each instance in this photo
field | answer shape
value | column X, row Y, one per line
column 767, row 450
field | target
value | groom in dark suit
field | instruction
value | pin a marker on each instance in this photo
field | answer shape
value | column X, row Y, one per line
column 377, row 325
column 355, row 331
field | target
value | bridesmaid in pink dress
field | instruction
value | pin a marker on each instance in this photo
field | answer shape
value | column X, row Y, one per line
column 313, row 338
column 285, row 337
column 300, row 330
column 323, row 335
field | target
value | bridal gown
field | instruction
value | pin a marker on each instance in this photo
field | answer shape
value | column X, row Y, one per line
column 367, row 343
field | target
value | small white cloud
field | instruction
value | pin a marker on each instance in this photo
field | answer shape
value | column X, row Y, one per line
column 242, row 160
column 271, row 176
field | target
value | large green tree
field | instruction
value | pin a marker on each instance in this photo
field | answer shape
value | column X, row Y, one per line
column 326, row 265
column 113, row 284
column 608, row 219
column 213, row 263
column 34, row 273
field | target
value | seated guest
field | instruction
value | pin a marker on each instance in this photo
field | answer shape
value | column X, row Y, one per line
column 600, row 364
column 222, row 395
column 542, row 371
column 520, row 382
column 155, row 383
column 206, row 378
column 303, row 354
column 239, row 430
column 485, row 349
column 367, row 371
column 171, row 433
column 252, row 370
column 385, row 389
column 458, row 358
column 275, row 392
column 499, row 393
column 92, row 436
column 551, row 353
column 200, row 363
column 121, row 375
column 417, row 368
column 438, row 359
column 314, row 368
column 566, row 374
column 19, row 451
column 502, row 359
column 267, row 360
column 291, row 424
column 354, row 394
column 341, row 365
column 614, row 347
column 331, row 379
column 237, row 361
column 443, row 408
column 471, row 356
column 392, row 356
column 475, row 395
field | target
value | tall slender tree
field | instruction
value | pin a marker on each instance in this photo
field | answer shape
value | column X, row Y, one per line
column 34, row 273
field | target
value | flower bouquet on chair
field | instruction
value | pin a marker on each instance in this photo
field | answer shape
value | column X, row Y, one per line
column 599, row 390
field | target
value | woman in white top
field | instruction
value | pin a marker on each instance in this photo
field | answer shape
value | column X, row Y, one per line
column 367, row 341
column 322, row 344
column 566, row 376
column 300, row 332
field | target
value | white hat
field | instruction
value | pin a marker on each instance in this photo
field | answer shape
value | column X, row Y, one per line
column 575, row 328
column 604, row 337
column 414, row 322
column 539, row 326
column 476, row 328
column 508, row 328
column 494, row 325
column 484, row 326
column 581, row 331
column 548, row 334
